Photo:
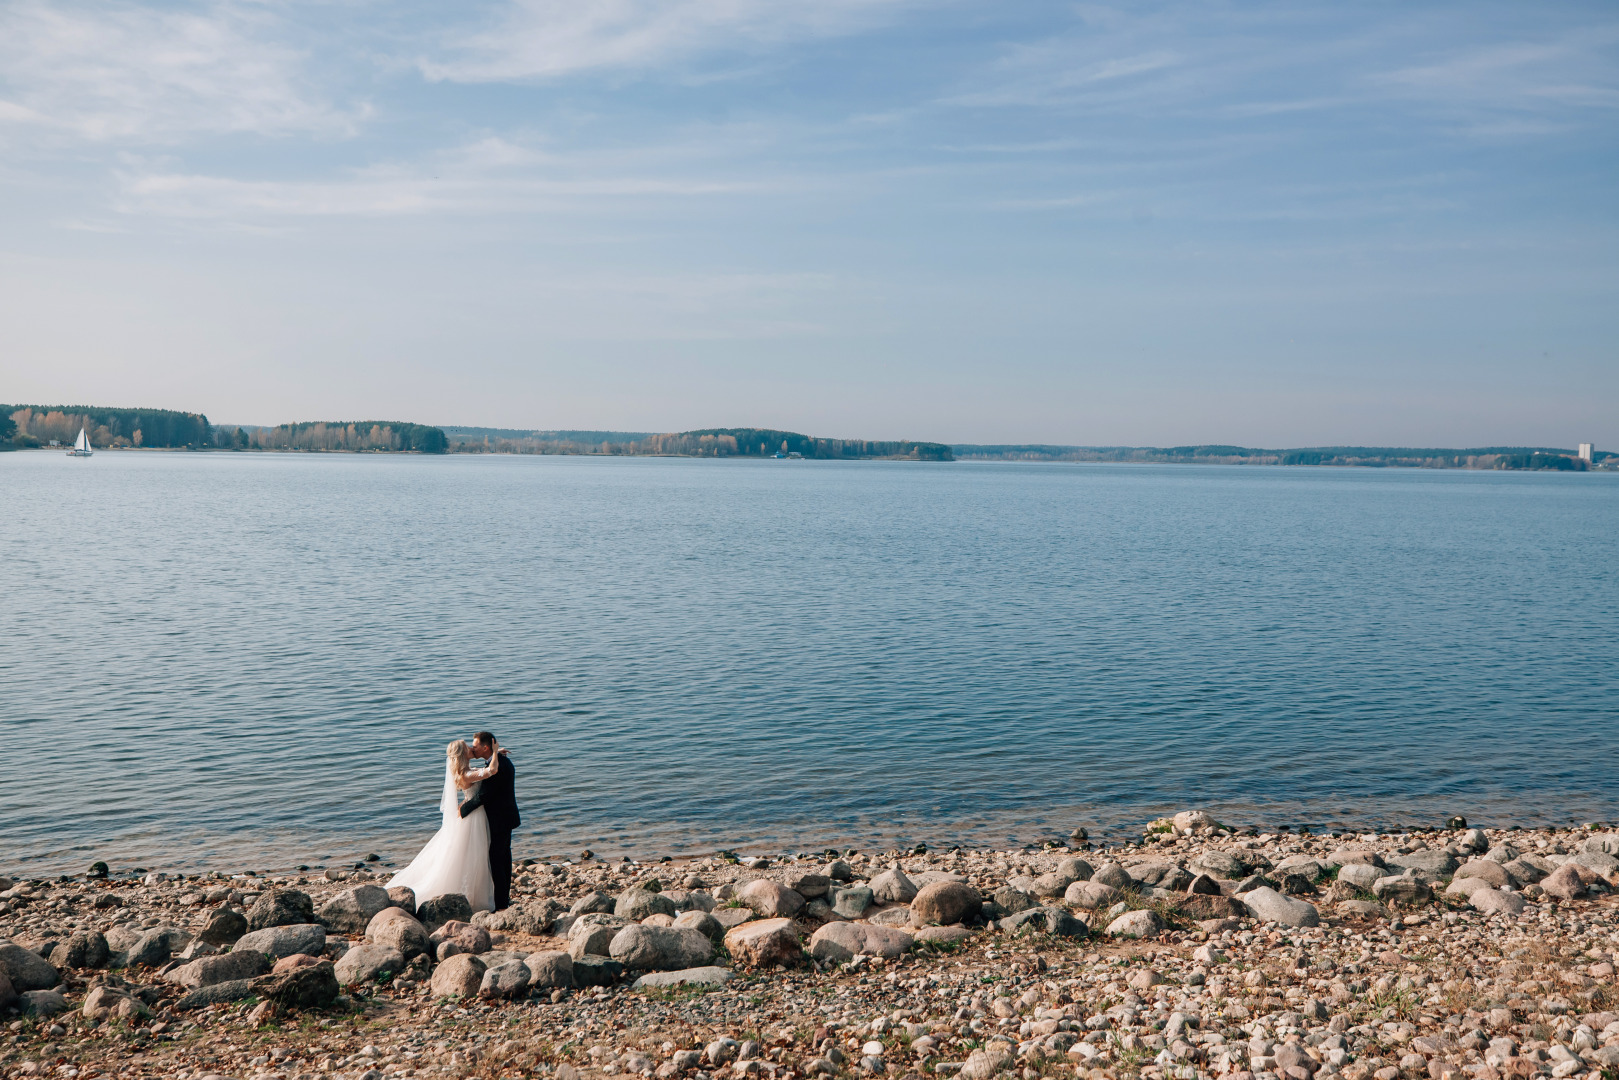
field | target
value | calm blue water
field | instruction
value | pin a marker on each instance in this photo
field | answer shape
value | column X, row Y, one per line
column 233, row 660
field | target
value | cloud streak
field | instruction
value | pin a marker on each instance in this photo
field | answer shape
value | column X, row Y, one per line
column 546, row 39
column 119, row 72
column 490, row 176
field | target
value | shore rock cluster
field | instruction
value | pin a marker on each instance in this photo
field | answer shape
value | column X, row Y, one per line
column 1200, row 951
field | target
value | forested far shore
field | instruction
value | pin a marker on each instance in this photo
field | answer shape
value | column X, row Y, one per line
column 1487, row 457
column 109, row 428
column 45, row 425
column 41, row 425
column 705, row 442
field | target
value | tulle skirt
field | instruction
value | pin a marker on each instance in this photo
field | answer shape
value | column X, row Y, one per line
column 456, row 860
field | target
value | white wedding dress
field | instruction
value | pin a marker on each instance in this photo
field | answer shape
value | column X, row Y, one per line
column 456, row 860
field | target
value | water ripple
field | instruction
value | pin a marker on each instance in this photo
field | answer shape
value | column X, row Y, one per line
column 255, row 660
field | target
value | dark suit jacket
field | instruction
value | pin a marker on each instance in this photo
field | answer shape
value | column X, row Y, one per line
column 499, row 796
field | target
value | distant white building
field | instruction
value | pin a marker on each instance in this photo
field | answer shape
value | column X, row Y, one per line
column 1585, row 451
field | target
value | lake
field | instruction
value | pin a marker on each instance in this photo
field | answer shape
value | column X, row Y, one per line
column 240, row 661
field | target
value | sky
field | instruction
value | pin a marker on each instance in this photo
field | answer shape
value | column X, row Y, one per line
column 1272, row 224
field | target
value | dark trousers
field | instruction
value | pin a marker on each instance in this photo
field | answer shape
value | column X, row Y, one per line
column 500, row 866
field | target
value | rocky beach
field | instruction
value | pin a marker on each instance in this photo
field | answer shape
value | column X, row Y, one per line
column 1196, row 951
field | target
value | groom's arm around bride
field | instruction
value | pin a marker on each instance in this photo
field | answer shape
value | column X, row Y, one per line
column 498, row 797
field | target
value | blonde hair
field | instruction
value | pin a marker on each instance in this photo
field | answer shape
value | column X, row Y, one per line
column 459, row 754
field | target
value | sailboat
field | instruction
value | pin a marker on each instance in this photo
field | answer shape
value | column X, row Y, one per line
column 81, row 448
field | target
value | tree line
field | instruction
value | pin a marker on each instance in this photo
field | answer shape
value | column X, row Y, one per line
column 41, row 425
column 706, row 442
column 366, row 435
column 38, row 425
column 1487, row 457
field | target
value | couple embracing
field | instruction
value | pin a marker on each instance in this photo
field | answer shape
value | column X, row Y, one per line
column 471, row 854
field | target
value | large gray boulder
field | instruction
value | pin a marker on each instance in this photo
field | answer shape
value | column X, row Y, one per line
column 637, row 904
column 770, row 899
column 702, row 922
column 1115, row 875
column 351, row 911
column 810, row 886
column 547, row 970
column 82, row 949
column 120, row 939
column 701, row 976
column 1466, row 886
column 1496, row 902
column 942, row 903
column 459, row 976
column 1401, row 890
column 591, row 935
column 691, row 899
column 593, row 903
column 660, row 948
column 1361, row 875
column 892, row 887
column 508, row 980
column 1091, row 895
column 279, row 941
column 1600, row 861
column 26, row 970
column 989, row 1062
column 308, row 986
column 280, row 907
column 224, row 967
column 217, row 994
column 534, row 918
column 1268, row 905
column 1045, row 920
column 398, row 929
column 224, row 927
column 1008, row 899
column 451, row 907
column 368, row 963
column 1488, row 870
column 1221, row 864
column 1067, row 872
column 156, row 946
column 851, row 903
column 1152, row 873
column 841, row 941
column 1301, row 866
column 42, row 1003
column 596, row 971
column 1136, row 924
column 1438, row 862
column 1564, row 883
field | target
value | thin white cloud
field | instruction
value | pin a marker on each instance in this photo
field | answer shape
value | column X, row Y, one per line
column 490, row 176
column 1519, row 75
column 541, row 39
column 109, row 71
column 1068, row 72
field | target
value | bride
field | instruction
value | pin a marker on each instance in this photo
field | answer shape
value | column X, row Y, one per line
column 456, row 860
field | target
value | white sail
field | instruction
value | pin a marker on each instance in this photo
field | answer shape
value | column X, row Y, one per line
column 83, row 443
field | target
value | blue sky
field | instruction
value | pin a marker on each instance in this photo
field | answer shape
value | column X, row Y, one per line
column 1271, row 224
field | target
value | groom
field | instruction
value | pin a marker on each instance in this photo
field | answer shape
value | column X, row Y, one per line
column 498, row 797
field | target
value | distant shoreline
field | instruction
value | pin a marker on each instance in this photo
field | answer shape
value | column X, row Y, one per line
column 38, row 426
column 1535, row 462
column 1470, row 461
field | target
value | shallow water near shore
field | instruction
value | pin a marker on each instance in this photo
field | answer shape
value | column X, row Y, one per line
column 255, row 660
